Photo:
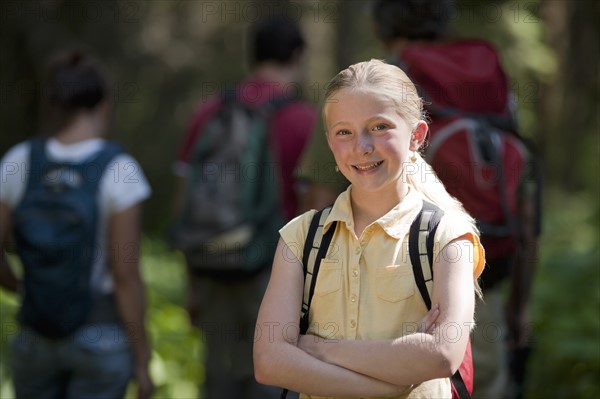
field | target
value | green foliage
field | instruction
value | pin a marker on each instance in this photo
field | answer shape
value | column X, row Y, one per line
column 176, row 366
column 566, row 326
column 8, row 329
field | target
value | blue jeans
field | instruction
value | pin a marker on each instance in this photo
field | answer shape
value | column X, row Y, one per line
column 92, row 363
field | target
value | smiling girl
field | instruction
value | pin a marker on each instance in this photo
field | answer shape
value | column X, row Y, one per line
column 361, row 340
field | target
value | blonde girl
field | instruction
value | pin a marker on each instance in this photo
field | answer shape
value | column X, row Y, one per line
column 363, row 339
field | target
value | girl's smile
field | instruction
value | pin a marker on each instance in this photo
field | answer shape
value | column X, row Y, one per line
column 367, row 167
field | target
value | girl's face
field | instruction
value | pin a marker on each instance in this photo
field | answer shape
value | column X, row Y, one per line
column 369, row 140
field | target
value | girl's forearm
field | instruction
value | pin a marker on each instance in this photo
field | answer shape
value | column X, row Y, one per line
column 426, row 358
column 285, row 365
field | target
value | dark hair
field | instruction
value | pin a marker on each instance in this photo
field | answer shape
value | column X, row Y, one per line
column 73, row 83
column 276, row 39
column 412, row 19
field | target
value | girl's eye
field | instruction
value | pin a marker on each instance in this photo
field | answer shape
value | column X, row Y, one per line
column 343, row 132
column 381, row 126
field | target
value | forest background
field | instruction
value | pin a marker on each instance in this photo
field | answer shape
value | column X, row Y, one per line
column 167, row 56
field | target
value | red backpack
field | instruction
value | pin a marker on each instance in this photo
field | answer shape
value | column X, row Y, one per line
column 474, row 149
column 474, row 146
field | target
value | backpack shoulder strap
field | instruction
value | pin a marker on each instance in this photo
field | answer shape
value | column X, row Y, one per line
column 205, row 136
column 37, row 151
column 110, row 150
column 95, row 166
column 420, row 247
column 276, row 103
column 315, row 249
column 38, row 161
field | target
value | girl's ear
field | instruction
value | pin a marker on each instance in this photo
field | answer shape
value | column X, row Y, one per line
column 418, row 135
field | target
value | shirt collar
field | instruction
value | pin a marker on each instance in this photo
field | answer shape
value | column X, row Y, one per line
column 341, row 211
column 395, row 223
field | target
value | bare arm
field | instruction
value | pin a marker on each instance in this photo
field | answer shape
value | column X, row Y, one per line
column 8, row 279
column 277, row 359
column 124, row 230
column 428, row 356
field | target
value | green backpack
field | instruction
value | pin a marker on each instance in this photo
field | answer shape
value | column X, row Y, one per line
column 232, row 210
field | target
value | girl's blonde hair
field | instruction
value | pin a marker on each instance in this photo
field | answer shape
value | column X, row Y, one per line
column 394, row 86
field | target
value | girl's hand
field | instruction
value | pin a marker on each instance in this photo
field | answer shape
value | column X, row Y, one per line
column 313, row 345
column 427, row 323
column 316, row 346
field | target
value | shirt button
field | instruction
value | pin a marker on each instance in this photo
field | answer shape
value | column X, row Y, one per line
column 353, row 298
column 352, row 323
column 355, row 273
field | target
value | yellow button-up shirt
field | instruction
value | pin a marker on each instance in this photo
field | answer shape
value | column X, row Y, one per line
column 365, row 287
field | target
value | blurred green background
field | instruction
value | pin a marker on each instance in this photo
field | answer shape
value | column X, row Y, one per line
column 167, row 56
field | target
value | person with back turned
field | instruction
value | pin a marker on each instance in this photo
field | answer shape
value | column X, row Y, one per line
column 72, row 199
column 236, row 189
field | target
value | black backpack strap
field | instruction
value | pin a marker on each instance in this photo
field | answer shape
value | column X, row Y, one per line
column 420, row 247
column 489, row 143
column 278, row 102
column 315, row 249
column 37, row 150
column 105, row 156
column 460, row 386
column 38, row 161
column 93, row 168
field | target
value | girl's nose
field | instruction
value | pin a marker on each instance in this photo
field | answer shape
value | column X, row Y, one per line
column 365, row 143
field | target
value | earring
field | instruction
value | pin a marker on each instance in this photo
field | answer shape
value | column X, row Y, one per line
column 413, row 157
column 336, row 168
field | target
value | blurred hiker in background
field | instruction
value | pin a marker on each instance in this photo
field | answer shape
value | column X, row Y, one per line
column 236, row 189
column 72, row 198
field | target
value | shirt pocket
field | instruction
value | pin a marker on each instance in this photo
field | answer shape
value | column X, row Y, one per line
column 395, row 283
column 329, row 279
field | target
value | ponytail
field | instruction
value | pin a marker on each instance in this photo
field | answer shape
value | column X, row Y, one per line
column 422, row 178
